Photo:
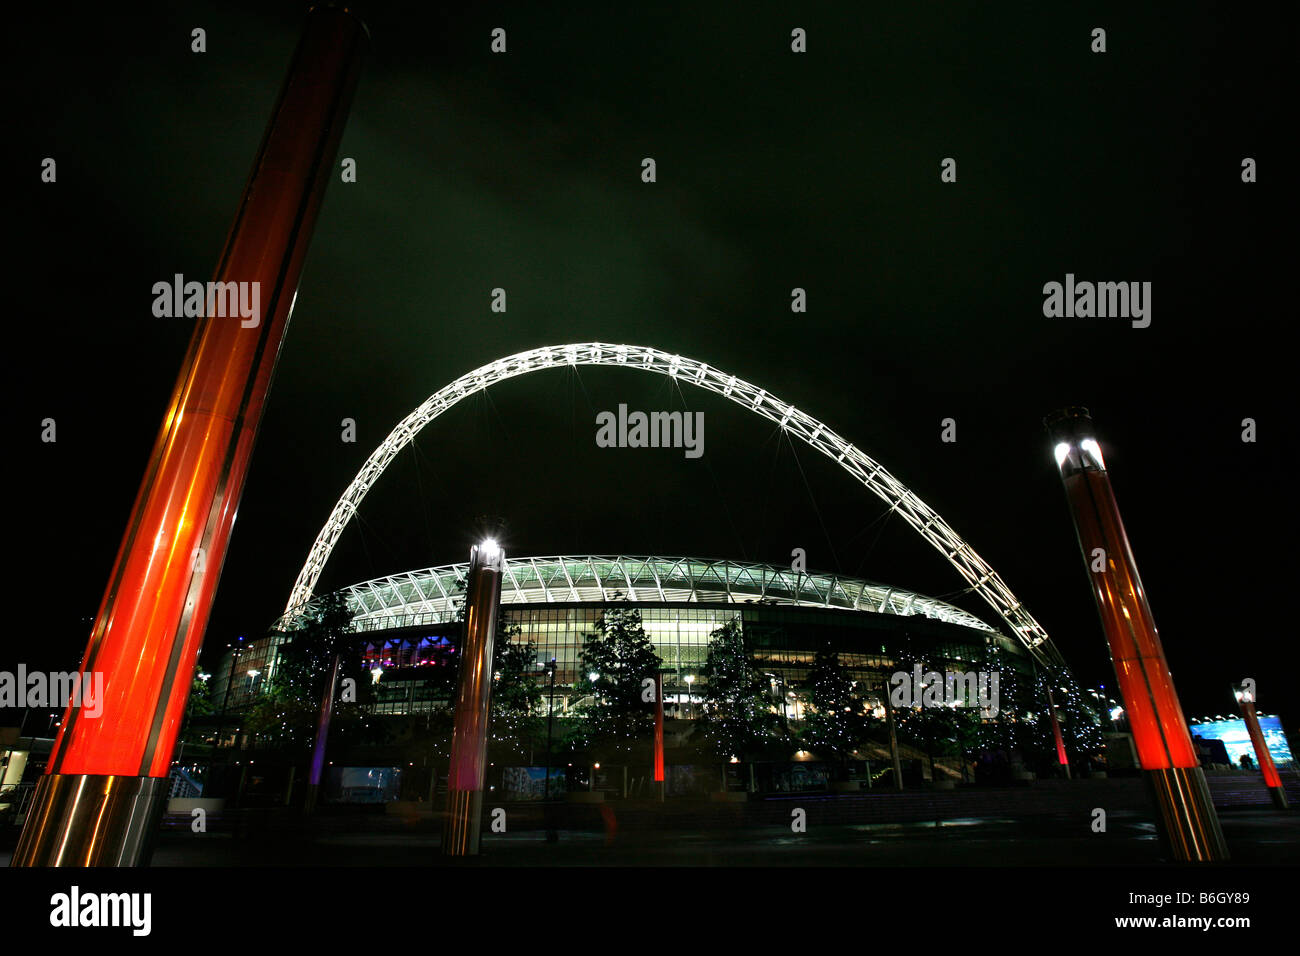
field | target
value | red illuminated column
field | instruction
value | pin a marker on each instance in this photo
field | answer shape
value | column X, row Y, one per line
column 107, row 774
column 460, row 834
column 1056, row 731
column 1188, row 823
column 1272, row 780
column 659, row 736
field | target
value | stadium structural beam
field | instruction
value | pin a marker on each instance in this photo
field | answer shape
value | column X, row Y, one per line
column 107, row 778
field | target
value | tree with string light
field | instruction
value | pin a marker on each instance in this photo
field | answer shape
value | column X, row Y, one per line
column 616, row 660
column 516, row 725
column 1080, row 725
column 737, row 718
column 286, row 711
column 838, row 720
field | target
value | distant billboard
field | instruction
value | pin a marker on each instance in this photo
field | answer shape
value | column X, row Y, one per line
column 529, row 783
column 1236, row 739
column 362, row 784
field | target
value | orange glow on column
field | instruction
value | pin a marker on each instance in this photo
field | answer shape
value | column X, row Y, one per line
column 150, row 625
column 1159, row 729
column 1266, row 765
column 659, row 728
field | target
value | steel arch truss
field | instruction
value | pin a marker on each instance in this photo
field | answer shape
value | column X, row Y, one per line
column 926, row 522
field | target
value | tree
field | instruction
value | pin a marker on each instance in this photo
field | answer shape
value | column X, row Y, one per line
column 1080, row 726
column 939, row 731
column 621, row 717
column 838, row 719
column 516, row 695
column 286, row 712
column 737, row 719
column 945, row 730
column 200, row 706
column 1005, row 731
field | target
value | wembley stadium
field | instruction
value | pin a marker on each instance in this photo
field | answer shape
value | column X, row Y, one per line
column 408, row 621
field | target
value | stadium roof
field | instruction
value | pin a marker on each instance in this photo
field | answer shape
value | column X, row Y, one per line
column 418, row 598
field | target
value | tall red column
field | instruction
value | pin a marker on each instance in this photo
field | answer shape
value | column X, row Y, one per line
column 1272, row 780
column 1061, row 758
column 1188, row 823
column 107, row 775
column 659, row 736
column 460, row 834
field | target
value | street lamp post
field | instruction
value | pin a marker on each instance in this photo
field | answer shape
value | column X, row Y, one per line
column 551, row 834
column 893, row 737
column 468, row 764
column 659, row 736
column 1246, row 698
column 106, row 781
column 1061, row 757
column 1189, row 825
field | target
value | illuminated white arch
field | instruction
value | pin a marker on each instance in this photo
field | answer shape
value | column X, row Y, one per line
column 927, row 522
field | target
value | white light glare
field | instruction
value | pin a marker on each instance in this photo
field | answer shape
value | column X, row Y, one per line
column 1094, row 450
column 1062, row 451
column 490, row 548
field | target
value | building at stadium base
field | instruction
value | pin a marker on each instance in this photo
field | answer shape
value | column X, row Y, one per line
column 408, row 625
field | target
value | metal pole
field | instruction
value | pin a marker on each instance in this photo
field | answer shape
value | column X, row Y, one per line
column 1272, row 780
column 323, row 717
column 1061, row 758
column 1188, row 823
column 659, row 736
column 460, row 835
column 893, row 737
column 107, row 777
column 551, row 834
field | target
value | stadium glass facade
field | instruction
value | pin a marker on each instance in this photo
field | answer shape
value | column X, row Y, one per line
column 409, row 627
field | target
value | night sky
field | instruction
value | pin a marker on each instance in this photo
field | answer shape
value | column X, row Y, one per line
column 775, row 171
